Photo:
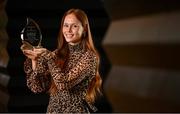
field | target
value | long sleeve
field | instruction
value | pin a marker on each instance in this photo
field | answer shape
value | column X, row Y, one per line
column 38, row 79
column 86, row 66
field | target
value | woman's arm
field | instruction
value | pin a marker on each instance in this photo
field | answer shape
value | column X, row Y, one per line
column 37, row 77
column 86, row 66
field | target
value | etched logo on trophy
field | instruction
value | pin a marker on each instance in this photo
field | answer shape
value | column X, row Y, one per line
column 31, row 35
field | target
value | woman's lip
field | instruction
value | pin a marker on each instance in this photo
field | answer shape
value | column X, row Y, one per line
column 69, row 35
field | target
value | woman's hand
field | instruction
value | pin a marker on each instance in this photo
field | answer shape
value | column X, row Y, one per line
column 35, row 53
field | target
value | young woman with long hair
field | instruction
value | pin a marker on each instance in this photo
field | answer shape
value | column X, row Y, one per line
column 70, row 74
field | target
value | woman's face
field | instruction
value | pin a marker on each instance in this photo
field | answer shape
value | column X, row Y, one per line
column 72, row 29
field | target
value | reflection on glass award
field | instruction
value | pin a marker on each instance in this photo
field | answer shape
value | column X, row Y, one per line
column 31, row 35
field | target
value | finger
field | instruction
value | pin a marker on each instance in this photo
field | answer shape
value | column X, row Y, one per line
column 40, row 49
column 30, row 56
column 28, row 51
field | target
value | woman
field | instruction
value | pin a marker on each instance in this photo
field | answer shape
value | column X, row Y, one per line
column 70, row 73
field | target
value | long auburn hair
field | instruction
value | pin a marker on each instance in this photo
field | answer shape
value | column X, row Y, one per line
column 94, row 87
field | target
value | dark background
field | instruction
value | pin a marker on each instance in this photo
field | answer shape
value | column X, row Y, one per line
column 149, row 65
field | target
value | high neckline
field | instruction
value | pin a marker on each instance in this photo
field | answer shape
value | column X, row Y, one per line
column 75, row 48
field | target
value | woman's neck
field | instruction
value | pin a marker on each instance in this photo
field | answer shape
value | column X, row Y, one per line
column 75, row 47
column 72, row 43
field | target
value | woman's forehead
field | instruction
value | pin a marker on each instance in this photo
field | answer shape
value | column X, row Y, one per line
column 71, row 18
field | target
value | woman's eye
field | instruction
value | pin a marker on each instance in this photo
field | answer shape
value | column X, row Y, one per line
column 65, row 25
column 75, row 26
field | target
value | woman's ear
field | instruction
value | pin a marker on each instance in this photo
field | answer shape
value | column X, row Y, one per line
column 85, row 28
column 84, row 34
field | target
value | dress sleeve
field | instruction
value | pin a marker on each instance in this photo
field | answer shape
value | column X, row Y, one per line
column 38, row 80
column 85, row 67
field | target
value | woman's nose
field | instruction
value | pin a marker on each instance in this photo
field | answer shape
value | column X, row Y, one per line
column 70, row 29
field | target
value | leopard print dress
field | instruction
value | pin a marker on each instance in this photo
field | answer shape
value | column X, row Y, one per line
column 71, row 81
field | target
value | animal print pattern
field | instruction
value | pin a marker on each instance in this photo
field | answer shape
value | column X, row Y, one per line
column 71, row 81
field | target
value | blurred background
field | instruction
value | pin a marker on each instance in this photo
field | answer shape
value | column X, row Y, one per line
column 138, row 41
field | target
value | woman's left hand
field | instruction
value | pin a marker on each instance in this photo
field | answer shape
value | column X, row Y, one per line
column 40, row 50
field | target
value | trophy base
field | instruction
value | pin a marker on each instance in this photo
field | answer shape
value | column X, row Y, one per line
column 26, row 46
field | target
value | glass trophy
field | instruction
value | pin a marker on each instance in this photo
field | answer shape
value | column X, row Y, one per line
column 31, row 35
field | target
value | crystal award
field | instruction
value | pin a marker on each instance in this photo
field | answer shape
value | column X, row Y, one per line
column 31, row 35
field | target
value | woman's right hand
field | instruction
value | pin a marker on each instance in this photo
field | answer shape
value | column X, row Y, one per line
column 33, row 54
column 30, row 54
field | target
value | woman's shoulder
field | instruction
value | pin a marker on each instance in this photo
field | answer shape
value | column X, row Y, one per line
column 90, row 54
